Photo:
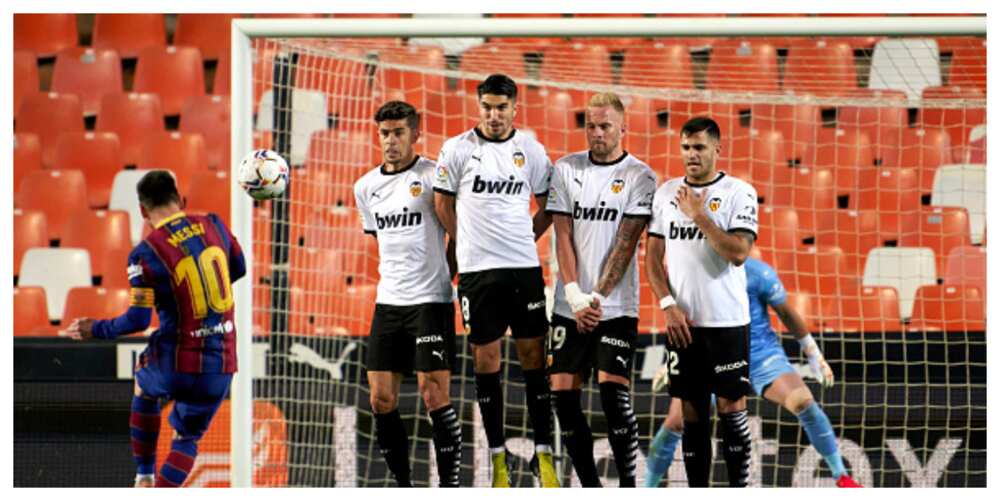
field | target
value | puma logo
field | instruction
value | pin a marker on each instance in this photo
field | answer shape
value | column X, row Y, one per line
column 622, row 360
column 439, row 354
column 577, row 181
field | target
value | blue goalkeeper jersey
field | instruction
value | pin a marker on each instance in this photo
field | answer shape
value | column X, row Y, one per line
column 764, row 288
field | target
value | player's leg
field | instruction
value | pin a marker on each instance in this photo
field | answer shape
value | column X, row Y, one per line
column 434, row 362
column 614, row 353
column 691, row 385
column 197, row 397
column 528, row 328
column 144, row 420
column 571, row 354
column 390, row 355
column 664, row 445
column 729, row 353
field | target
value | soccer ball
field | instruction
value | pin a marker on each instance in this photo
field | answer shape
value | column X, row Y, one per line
column 263, row 174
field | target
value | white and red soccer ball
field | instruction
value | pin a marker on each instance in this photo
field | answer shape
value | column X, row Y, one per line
column 263, row 174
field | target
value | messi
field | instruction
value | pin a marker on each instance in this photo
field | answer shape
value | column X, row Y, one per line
column 594, row 213
column 685, row 232
column 510, row 187
column 398, row 220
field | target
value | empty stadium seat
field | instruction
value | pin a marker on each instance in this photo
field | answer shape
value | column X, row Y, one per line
column 904, row 268
column 820, row 67
column 95, row 303
column 31, row 317
column 968, row 65
column 649, row 135
column 975, row 150
column 89, row 73
column 351, row 313
column 957, row 121
column 798, row 124
column 174, row 73
column 48, row 114
column 57, row 271
column 27, row 158
column 99, row 232
column 743, row 66
column 963, row 185
column 661, row 67
column 847, row 152
column 425, row 91
column 209, row 116
column 97, row 155
column 938, row 228
column 779, row 235
column 856, row 232
column 907, row 64
column 220, row 82
column 129, row 34
column 810, row 190
column 760, row 159
column 966, row 266
column 60, row 194
column 179, row 152
column 25, row 76
column 208, row 32
column 29, row 231
column 114, row 263
column 818, row 270
column 345, row 83
column 309, row 114
column 486, row 58
column 563, row 130
column 865, row 309
column 133, row 117
column 124, row 197
column 889, row 189
column 883, row 120
column 951, row 308
column 209, row 192
column 44, row 34
column 562, row 63
column 924, row 149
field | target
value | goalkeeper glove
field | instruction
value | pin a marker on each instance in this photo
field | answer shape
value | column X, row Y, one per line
column 817, row 363
column 578, row 301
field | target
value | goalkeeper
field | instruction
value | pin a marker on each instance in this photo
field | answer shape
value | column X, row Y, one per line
column 772, row 376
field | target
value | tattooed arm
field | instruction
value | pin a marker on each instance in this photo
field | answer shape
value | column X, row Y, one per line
column 622, row 253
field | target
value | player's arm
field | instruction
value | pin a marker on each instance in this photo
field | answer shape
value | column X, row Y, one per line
column 135, row 319
column 622, row 253
column 797, row 326
column 584, row 307
column 541, row 221
column 677, row 324
column 444, row 207
column 452, row 259
column 734, row 246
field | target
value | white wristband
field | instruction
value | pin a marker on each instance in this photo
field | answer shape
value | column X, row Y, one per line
column 808, row 345
column 667, row 302
column 578, row 301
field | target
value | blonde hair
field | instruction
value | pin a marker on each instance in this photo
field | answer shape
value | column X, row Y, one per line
column 607, row 99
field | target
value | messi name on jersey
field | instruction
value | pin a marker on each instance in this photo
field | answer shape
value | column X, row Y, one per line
column 600, row 213
column 685, row 232
column 407, row 218
column 511, row 187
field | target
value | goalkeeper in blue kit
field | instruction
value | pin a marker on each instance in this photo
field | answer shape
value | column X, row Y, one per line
column 772, row 376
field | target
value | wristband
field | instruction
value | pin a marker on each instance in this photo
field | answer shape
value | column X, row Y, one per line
column 667, row 302
column 808, row 345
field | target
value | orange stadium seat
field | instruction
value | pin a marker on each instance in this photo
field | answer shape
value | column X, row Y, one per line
column 60, row 194
column 129, row 34
column 865, row 309
column 44, row 34
column 563, row 130
column 183, row 153
column 649, row 135
column 89, row 73
column 209, row 192
column 97, row 155
column 208, row 32
column 968, row 64
column 100, row 232
column 855, row 232
column 487, row 58
column 220, row 82
column 743, row 66
column 958, row 122
column 811, row 189
column 113, row 264
column 779, row 235
column 345, row 84
column 661, row 67
column 29, row 231
column 821, row 67
column 760, row 160
column 133, row 116
column 25, row 77
column 798, row 124
column 95, row 302
column 952, row 308
column 966, row 266
column 48, row 114
column 174, row 73
column 31, row 316
column 351, row 312
column 926, row 149
column 847, row 152
column 562, row 63
column 884, row 122
column 939, row 228
column 889, row 189
column 27, row 158
column 806, row 305
column 819, row 270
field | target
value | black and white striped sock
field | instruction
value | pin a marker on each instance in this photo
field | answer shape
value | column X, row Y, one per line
column 447, row 444
column 736, row 447
column 623, row 430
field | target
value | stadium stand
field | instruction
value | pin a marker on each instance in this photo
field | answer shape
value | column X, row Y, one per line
column 44, row 34
column 909, row 65
column 133, row 117
column 182, row 153
column 47, row 115
column 31, row 312
column 100, row 232
column 952, row 308
column 173, row 73
column 208, row 32
column 89, row 73
column 25, row 77
column 29, row 231
column 57, row 271
column 963, row 185
column 904, row 268
column 97, row 155
column 129, row 34
column 27, row 158
column 743, row 66
column 59, row 194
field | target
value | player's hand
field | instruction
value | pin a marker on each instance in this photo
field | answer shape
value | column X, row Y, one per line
column 588, row 318
column 82, row 329
column 690, row 202
column 578, row 301
column 817, row 362
column 678, row 333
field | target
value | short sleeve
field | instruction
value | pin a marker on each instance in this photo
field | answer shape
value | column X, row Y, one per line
column 367, row 221
column 640, row 199
column 657, row 221
column 744, row 213
column 558, row 201
column 772, row 291
column 541, row 171
column 447, row 173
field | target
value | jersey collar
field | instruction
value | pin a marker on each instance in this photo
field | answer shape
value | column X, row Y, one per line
column 710, row 183
column 176, row 215
column 384, row 172
column 590, row 156
column 484, row 138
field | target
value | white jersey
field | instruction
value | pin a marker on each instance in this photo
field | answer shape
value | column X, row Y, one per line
column 709, row 289
column 493, row 182
column 598, row 196
column 398, row 208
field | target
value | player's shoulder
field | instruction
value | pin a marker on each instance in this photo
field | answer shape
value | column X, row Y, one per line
column 528, row 142
column 733, row 183
column 670, row 185
column 367, row 178
column 467, row 139
column 573, row 160
column 759, row 269
column 636, row 168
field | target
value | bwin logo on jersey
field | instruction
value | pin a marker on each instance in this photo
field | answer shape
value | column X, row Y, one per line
column 617, row 186
column 416, row 189
column 510, row 187
column 519, row 159
column 594, row 213
column 407, row 218
column 685, row 232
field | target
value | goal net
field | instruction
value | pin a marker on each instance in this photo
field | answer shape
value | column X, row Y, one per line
column 868, row 156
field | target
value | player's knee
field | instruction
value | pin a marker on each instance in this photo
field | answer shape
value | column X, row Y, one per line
column 798, row 400
column 487, row 358
column 433, row 394
column 531, row 353
column 383, row 402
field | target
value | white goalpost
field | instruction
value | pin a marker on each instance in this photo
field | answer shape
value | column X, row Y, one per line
column 308, row 88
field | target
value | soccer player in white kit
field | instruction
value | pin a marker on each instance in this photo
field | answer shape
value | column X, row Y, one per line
column 706, row 223
column 486, row 178
column 413, row 326
column 600, row 201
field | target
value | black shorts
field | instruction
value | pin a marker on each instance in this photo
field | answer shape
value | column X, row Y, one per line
column 404, row 338
column 610, row 347
column 492, row 300
column 717, row 361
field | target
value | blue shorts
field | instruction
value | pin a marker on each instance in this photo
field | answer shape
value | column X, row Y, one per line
column 766, row 365
column 196, row 396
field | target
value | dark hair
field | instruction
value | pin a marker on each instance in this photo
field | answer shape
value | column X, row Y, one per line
column 498, row 84
column 398, row 110
column 698, row 124
column 156, row 189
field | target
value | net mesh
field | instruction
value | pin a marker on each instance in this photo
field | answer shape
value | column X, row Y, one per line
column 867, row 153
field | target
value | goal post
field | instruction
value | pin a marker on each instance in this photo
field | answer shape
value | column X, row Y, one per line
column 245, row 97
